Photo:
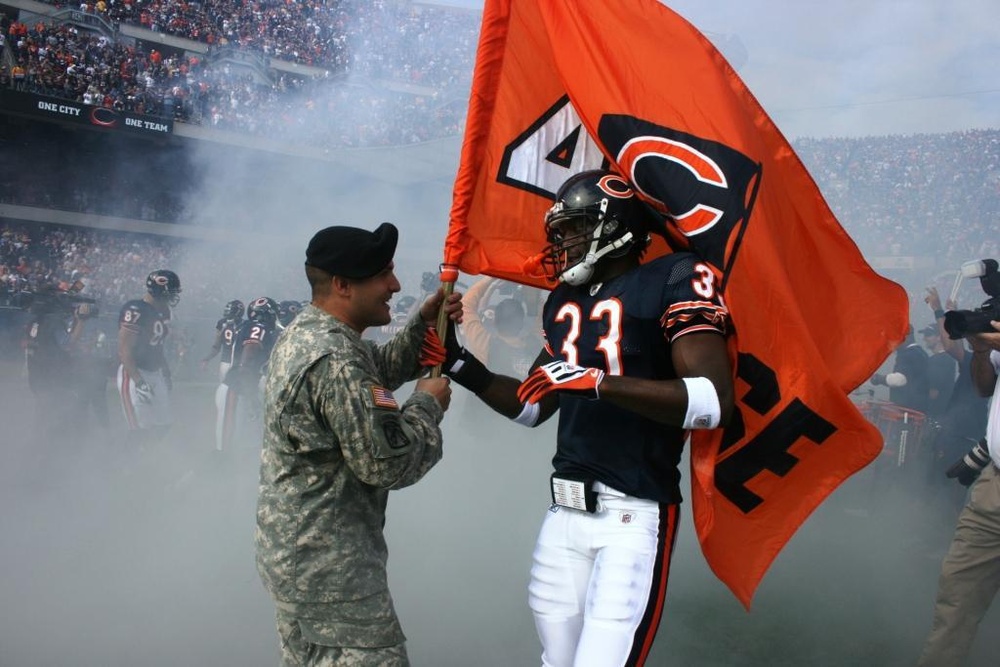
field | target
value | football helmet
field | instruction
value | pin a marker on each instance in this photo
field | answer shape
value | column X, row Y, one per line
column 287, row 310
column 164, row 284
column 233, row 310
column 263, row 309
column 596, row 215
column 404, row 305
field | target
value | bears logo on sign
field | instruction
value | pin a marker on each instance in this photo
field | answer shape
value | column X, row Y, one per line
column 705, row 188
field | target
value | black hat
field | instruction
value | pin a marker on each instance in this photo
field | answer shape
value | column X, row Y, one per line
column 930, row 330
column 351, row 252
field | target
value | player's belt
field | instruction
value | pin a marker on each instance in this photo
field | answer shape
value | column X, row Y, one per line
column 573, row 491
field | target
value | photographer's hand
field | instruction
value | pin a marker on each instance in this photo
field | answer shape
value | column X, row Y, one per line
column 933, row 299
column 984, row 342
column 984, row 375
column 966, row 470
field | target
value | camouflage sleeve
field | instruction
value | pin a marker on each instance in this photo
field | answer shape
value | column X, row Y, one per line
column 398, row 359
column 385, row 446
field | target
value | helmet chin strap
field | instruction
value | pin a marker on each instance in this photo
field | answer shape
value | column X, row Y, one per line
column 581, row 272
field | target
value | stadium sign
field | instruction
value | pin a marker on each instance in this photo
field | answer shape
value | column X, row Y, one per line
column 51, row 108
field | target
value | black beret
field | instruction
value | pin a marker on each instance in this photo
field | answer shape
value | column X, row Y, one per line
column 351, row 252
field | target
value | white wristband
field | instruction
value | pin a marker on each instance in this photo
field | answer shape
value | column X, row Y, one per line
column 703, row 409
column 529, row 415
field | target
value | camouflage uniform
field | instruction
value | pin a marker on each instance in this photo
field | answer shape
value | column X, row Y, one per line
column 335, row 443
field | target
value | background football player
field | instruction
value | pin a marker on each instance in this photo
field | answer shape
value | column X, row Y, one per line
column 144, row 382
column 635, row 356
column 287, row 310
column 239, row 397
column 225, row 336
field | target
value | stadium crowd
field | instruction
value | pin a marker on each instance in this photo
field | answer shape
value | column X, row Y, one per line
column 402, row 41
column 393, row 42
column 913, row 195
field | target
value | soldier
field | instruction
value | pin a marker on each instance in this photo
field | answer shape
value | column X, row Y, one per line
column 335, row 442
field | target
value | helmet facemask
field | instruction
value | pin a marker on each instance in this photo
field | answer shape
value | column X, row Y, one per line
column 234, row 310
column 579, row 239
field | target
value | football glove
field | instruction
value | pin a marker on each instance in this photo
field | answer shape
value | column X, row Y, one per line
column 458, row 363
column 144, row 393
column 432, row 350
column 966, row 470
column 560, row 376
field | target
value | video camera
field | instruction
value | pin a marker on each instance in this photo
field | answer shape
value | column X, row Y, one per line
column 961, row 323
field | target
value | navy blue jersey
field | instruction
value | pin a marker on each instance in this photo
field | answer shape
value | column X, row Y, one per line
column 151, row 326
column 625, row 327
column 227, row 330
column 252, row 345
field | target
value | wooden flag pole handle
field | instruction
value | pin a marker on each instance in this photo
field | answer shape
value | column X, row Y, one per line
column 448, row 276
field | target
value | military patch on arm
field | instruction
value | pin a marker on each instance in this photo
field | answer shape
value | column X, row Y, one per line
column 383, row 398
column 391, row 436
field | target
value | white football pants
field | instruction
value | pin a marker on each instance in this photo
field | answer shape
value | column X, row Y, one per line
column 598, row 581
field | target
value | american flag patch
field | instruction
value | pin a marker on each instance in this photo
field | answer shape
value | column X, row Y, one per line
column 384, row 399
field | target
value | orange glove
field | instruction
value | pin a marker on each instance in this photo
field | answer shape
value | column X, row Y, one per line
column 432, row 350
column 560, row 376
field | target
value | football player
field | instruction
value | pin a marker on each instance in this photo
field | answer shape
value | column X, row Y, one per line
column 634, row 357
column 225, row 336
column 240, row 395
column 287, row 310
column 144, row 381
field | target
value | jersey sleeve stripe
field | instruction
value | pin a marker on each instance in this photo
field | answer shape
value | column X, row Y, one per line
column 701, row 309
column 695, row 329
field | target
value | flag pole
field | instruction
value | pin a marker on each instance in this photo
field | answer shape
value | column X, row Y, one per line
column 448, row 276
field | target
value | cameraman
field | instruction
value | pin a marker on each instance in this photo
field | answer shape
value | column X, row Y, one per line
column 963, row 420
column 970, row 573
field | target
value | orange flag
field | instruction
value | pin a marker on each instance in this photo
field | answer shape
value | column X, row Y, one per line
column 566, row 85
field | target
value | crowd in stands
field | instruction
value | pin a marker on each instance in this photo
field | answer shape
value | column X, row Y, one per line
column 377, row 43
column 934, row 195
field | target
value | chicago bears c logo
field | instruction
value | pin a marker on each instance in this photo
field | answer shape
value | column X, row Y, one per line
column 615, row 186
column 704, row 188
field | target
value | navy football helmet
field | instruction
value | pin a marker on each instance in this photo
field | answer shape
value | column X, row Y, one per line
column 287, row 310
column 233, row 310
column 596, row 215
column 264, row 310
column 164, row 284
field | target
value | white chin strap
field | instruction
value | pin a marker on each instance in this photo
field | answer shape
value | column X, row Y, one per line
column 581, row 272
